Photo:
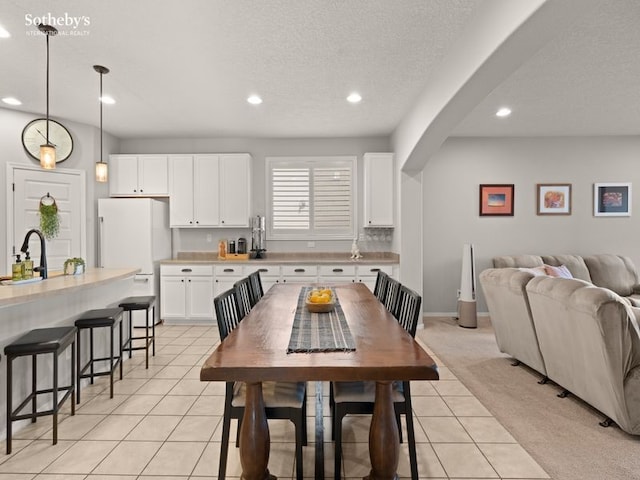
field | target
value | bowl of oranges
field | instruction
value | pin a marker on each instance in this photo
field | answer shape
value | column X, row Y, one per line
column 320, row 300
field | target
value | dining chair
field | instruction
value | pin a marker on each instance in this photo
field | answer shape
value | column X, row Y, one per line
column 282, row 400
column 391, row 297
column 256, row 286
column 382, row 283
column 358, row 397
column 243, row 296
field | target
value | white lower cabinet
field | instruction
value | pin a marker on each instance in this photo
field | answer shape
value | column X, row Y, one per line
column 225, row 277
column 186, row 293
column 299, row 273
column 269, row 275
column 336, row 274
column 368, row 274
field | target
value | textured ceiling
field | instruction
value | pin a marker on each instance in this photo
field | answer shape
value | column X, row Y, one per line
column 585, row 82
column 185, row 68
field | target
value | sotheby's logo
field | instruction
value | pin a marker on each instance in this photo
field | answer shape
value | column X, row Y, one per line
column 72, row 25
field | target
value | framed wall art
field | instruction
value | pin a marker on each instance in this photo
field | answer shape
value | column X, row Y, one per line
column 612, row 199
column 554, row 198
column 496, row 200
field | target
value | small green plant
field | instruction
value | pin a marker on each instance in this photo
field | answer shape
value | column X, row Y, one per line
column 71, row 266
column 49, row 220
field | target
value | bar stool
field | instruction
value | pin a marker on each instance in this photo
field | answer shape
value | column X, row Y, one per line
column 99, row 318
column 36, row 342
column 130, row 304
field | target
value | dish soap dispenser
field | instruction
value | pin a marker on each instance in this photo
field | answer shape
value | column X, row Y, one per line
column 28, row 267
column 17, row 269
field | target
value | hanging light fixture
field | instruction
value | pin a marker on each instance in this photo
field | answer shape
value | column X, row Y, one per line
column 102, row 170
column 47, row 151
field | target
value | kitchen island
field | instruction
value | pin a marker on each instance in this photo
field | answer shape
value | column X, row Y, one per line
column 56, row 301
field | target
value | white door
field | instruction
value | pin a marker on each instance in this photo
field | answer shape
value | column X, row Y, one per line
column 67, row 187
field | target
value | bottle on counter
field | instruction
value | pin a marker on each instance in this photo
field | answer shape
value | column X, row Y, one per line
column 222, row 250
column 28, row 267
column 17, row 269
column 232, row 246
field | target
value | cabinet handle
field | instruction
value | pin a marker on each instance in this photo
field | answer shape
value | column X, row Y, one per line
column 228, row 270
column 197, row 222
column 141, row 190
column 338, row 270
column 186, row 270
column 263, row 270
column 190, row 222
column 374, row 269
column 284, row 280
column 222, row 221
column 189, row 280
column 182, row 281
column 369, row 221
column 299, row 270
column 134, row 190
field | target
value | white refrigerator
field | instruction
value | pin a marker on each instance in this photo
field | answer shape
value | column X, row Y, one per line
column 134, row 232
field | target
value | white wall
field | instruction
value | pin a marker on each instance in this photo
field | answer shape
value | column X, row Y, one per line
column 260, row 148
column 86, row 148
column 450, row 189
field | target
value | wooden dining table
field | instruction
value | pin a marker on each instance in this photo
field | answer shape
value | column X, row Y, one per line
column 256, row 351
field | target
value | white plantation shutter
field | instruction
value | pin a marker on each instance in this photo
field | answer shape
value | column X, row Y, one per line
column 311, row 197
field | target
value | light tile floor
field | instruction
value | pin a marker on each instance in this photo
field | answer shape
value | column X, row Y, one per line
column 164, row 424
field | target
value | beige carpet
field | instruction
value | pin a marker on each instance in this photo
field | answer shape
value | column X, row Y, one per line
column 562, row 435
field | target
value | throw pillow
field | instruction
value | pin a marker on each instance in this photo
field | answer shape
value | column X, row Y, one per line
column 562, row 271
column 535, row 271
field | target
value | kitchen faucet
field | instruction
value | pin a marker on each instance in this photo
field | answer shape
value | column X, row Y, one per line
column 42, row 268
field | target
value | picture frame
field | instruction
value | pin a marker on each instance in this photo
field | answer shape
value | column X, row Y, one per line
column 496, row 200
column 553, row 198
column 612, row 199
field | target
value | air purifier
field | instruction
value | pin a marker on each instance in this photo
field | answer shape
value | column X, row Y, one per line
column 467, row 317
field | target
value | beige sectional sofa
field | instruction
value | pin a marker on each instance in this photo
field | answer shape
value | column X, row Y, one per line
column 582, row 333
column 590, row 341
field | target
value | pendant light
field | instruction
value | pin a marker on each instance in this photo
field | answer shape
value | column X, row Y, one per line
column 47, row 151
column 102, row 170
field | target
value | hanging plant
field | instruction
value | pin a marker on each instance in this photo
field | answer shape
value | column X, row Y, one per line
column 49, row 218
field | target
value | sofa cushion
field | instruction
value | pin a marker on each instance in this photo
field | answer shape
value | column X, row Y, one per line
column 614, row 272
column 515, row 261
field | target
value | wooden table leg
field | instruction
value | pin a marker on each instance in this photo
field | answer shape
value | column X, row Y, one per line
column 384, row 440
column 254, row 436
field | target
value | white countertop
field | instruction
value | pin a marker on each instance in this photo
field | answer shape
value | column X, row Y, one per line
column 61, row 285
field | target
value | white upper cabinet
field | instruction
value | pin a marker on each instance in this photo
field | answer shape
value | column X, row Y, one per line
column 138, row 176
column 209, row 190
column 379, row 196
column 235, row 190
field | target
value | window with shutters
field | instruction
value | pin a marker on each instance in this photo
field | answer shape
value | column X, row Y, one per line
column 311, row 197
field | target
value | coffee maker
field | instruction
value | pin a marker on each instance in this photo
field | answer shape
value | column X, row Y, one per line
column 258, row 241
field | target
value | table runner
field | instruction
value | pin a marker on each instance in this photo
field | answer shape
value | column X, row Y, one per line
column 319, row 332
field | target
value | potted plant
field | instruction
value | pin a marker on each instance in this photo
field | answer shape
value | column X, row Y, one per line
column 74, row 266
column 49, row 218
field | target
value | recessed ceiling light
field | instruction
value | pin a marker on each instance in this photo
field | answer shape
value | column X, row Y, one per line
column 11, row 101
column 254, row 100
column 354, row 97
column 4, row 33
column 106, row 99
column 503, row 112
